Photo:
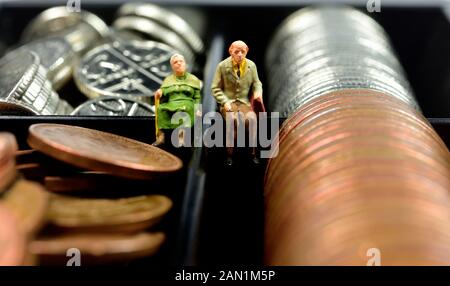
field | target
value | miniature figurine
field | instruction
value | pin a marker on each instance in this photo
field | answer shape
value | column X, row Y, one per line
column 237, row 89
column 179, row 92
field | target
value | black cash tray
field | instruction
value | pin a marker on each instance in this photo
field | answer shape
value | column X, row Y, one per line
column 218, row 216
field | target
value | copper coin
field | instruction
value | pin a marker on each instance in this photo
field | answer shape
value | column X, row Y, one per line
column 101, row 151
column 8, row 174
column 29, row 203
column 91, row 182
column 12, row 242
column 97, row 248
column 116, row 215
column 8, row 146
column 358, row 170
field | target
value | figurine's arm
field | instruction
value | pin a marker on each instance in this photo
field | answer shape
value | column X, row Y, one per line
column 197, row 96
column 257, row 85
column 217, row 88
column 158, row 94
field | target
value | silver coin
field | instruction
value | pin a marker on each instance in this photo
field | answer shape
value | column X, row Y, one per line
column 167, row 19
column 132, row 70
column 56, row 56
column 82, row 30
column 114, row 106
column 320, row 50
column 24, row 88
column 155, row 31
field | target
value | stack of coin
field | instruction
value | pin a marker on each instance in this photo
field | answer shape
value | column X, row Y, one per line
column 83, row 30
column 25, row 87
column 105, row 225
column 57, row 56
column 23, row 207
column 360, row 178
column 162, row 25
column 316, row 51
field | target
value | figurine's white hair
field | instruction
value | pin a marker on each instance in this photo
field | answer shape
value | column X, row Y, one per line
column 172, row 58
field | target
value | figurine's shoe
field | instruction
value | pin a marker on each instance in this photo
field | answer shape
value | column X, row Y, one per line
column 256, row 160
column 158, row 143
column 229, row 162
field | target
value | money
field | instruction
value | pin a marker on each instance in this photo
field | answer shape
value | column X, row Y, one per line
column 28, row 202
column 8, row 173
column 56, row 55
column 97, row 248
column 132, row 70
column 83, row 30
column 108, row 215
column 25, row 89
column 12, row 242
column 317, row 51
column 166, row 18
column 114, row 106
column 155, row 32
column 100, row 151
column 359, row 170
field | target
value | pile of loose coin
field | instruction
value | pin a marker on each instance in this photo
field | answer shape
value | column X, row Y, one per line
column 116, row 70
column 361, row 178
column 85, row 190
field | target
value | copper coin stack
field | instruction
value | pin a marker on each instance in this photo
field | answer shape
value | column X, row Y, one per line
column 23, row 206
column 361, row 177
column 91, row 194
column 82, row 213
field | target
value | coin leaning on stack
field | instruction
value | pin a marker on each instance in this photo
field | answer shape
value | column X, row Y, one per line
column 23, row 206
column 25, row 87
column 358, row 167
column 107, row 225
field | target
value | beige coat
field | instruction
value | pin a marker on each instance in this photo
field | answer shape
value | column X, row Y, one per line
column 227, row 87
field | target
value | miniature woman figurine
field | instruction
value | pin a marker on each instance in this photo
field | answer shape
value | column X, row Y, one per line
column 179, row 92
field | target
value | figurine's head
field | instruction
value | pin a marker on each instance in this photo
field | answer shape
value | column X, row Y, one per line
column 178, row 64
column 238, row 51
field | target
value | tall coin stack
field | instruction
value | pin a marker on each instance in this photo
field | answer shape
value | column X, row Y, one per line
column 361, row 178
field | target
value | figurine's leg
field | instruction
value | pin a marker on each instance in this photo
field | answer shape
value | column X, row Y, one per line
column 160, row 138
column 230, row 131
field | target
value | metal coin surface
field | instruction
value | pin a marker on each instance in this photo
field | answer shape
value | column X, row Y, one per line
column 56, row 56
column 28, row 202
column 12, row 242
column 116, row 215
column 166, row 18
column 114, row 106
column 134, row 70
column 97, row 248
column 100, row 151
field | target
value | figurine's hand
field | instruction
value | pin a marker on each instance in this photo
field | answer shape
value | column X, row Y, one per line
column 158, row 94
column 227, row 106
column 198, row 113
column 257, row 96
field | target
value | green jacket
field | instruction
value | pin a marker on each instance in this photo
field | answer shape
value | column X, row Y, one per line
column 227, row 87
column 178, row 94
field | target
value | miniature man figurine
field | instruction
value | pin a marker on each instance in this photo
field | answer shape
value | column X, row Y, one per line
column 179, row 92
column 236, row 86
